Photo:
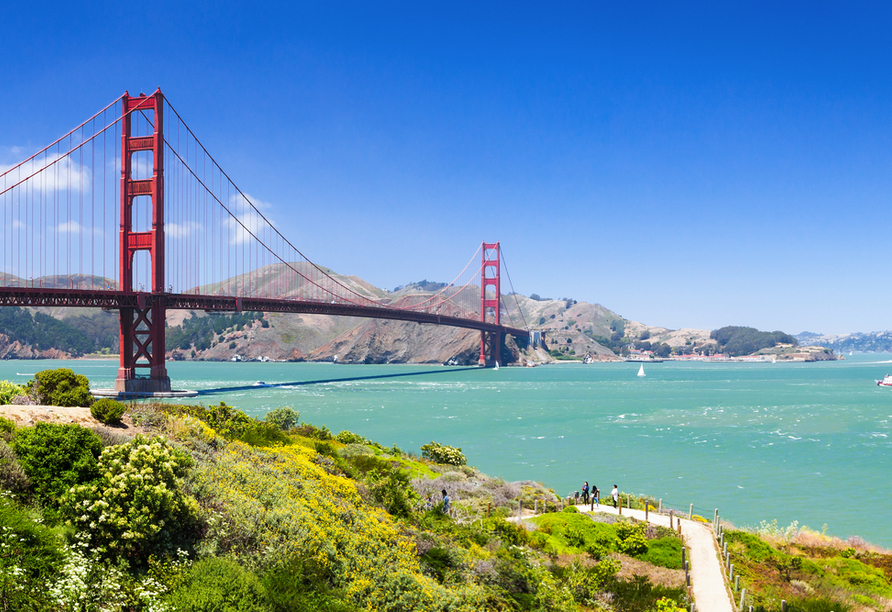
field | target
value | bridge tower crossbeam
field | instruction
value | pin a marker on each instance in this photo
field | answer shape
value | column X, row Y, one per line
column 142, row 328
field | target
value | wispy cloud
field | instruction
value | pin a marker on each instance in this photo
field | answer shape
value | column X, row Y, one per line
column 70, row 227
column 181, row 230
column 48, row 173
column 247, row 219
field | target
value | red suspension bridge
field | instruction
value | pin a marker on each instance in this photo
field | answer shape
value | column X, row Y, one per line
column 129, row 211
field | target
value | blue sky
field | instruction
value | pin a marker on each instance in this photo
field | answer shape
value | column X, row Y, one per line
column 683, row 164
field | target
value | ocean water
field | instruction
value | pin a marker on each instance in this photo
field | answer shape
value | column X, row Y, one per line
column 804, row 442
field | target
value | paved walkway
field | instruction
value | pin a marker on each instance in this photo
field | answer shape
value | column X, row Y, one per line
column 707, row 581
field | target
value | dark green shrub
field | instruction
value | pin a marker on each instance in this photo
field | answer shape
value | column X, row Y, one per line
column 818, row 604
column 307, row 430
column 284, row 418
column 438, row 561
column 301, row 586
column 57, row 458
column 639, row 594
column 12, row 476
column 60, row 387
column 570, row 509
column 7, row 428
column 218, row 584
column 107, row 410
column 31, row 556
column 394, row 492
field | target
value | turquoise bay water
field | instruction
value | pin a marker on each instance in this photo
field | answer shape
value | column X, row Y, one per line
column 807, row 442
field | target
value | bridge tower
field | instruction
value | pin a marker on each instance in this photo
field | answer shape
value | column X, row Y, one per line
column 142, row 367
column 490, row 294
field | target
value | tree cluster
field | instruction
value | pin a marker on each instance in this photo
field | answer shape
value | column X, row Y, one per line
column 198, row 332
column 43, row 332
column 737, row 341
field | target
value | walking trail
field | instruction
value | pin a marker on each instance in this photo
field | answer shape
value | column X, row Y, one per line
column 707, row 580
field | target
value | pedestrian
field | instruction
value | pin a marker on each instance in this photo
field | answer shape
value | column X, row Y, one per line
column 585, row 492
column 596, row 495
column 615, row 495
column 445, row 502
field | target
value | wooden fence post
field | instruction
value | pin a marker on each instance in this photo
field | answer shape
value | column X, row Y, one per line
column 742, row 597
column 691, row 513
column 620, row 505
column 671, row 514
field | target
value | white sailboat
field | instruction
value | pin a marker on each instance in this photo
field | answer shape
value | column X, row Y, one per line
column 497, row 366
column 641, row 371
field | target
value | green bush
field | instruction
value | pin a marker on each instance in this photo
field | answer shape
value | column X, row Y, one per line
column 299, row 585
column 7, row 428
column 394, row 492
column 218, row 584
column 29, row 556
column 632, row 538
column 507, row 532
column 348, row 437
column 135, row 508
column 9, row 391
column 283, row 417
column 440, row 453
column 12, row 476
column 57, row 458
column 664, row 552
column 107, row 410
column 60, row 387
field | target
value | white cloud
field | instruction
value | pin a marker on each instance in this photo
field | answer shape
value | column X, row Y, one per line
column 51, row 172
column 181, row 230
column 247, row 220
column 70, row 227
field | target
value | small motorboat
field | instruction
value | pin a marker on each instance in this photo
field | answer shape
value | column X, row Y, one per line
column 886, row 382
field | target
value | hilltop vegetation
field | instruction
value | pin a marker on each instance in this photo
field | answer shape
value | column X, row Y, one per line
column 737, row 341
column 210, row 509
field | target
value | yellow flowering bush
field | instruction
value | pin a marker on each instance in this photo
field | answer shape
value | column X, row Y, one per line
column 295, row 509
column 136, row 507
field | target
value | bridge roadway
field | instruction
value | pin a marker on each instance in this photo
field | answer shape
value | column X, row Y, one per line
column 86, row 298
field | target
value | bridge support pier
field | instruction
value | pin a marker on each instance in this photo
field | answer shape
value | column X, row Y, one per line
column 491, row 344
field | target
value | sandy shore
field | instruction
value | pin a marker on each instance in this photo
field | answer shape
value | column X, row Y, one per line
column 29, row 415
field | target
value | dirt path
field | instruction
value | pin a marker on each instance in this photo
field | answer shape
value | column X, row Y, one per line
column 707, row 581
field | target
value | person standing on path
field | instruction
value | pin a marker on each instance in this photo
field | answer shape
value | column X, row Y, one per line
column 585, row 492
column 615, row 495
column 445, row 502
column 596, row 494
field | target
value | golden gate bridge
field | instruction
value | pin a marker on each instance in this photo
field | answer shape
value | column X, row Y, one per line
column 130, row 212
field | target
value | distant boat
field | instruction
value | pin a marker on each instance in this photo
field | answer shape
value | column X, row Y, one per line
column 497, row 365
column 886, row 382
column 641, row 371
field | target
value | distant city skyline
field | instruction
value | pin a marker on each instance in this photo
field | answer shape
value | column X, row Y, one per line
column 692, row 165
